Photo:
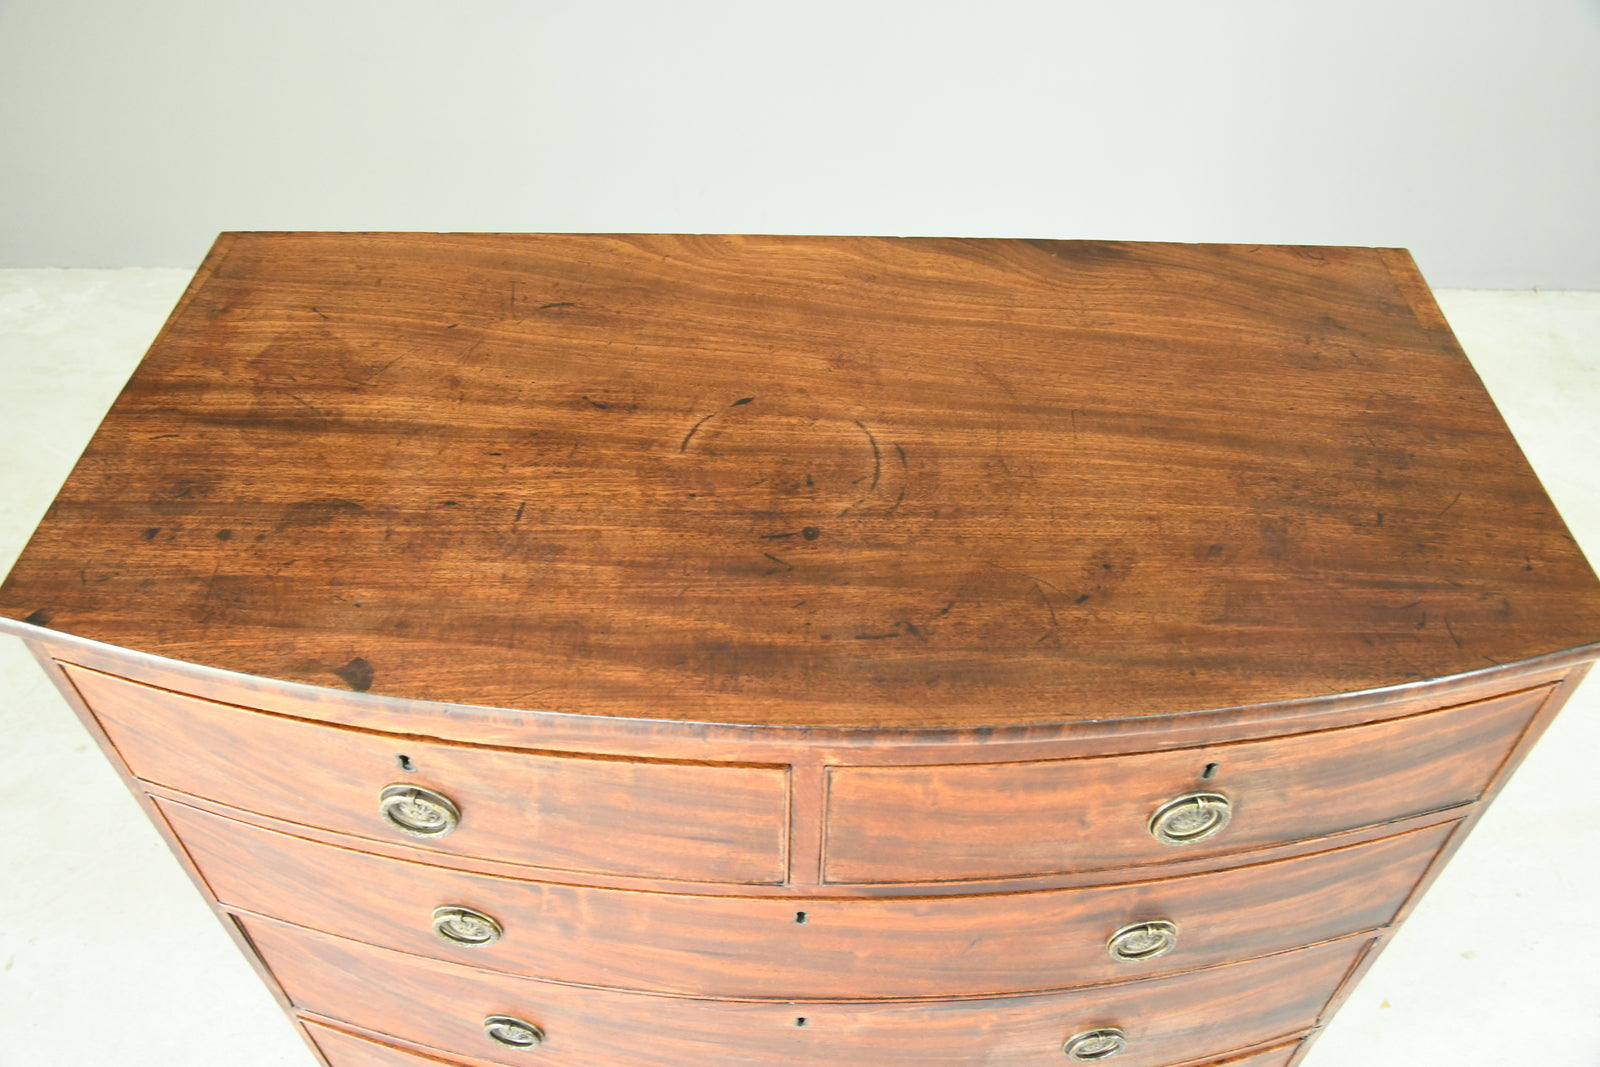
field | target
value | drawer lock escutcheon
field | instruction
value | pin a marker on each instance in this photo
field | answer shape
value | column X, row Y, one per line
column 1091, row 1046
column 420, row 812
column 1143, row 941
column 465, row 926
column 1190, row 818
column 513, row 1032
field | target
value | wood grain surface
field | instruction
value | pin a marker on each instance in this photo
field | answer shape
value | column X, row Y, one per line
column 693, row 821
column 441, row 1005
column 344, row 1049
column 834, row 481
column 799, row 947
column 341, row 1049
column 923, row 824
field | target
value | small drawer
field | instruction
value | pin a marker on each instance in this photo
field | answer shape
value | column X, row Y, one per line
column 788, row 947
column 1180, row 1019
column 977, row 821
column 691, row 821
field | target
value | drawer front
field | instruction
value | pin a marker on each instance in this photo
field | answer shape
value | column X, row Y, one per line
column 745, row 947
column 974, row 821
column 698, row 822
column 1172, row 1020
column 347, row 1050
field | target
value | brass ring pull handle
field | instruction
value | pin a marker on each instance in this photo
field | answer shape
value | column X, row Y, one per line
column 1143, row 941
column 513, row 1032
column 1092, row 1046
column 1190, row 818
column 465, row 926
column 419, row 812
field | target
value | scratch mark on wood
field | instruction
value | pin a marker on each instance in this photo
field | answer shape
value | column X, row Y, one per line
column 1005, row 386
column 1448, row 506
column 741, row 402
column 601, row 404
column 877, row 456
column 318, row 311
column 947, row 608
column 779, row 536
column 1054, row 625
column 876, row 637
column 781, row 562
column 303, row 402
column 373, row 376
column 1451, row 631
column 520, row 509
column 902, row 452
column 999, row 453
column 1023, row 574
column 684, row 447
column 558, row 304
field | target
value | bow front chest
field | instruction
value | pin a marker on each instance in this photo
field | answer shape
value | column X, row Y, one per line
column 727, row 651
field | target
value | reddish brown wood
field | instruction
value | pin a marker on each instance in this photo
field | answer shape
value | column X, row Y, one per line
column 665, row 738
column 53, row 670
column 516, row 872
column 441, row 1005
column 1541, row 722
column 923, row 824
column 700, row 569
column 799, row 947
column 346, row 1049
column 709, row 822
column 843, row 481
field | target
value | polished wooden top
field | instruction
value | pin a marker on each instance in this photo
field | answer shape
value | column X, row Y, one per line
column 833, row 481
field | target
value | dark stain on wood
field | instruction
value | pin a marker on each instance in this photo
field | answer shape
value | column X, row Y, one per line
column 357, row 674
column 1136, row 405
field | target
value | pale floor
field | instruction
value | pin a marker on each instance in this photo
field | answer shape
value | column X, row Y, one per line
column 108, row 956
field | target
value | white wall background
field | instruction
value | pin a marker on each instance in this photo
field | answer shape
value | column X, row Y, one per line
column 1468, row 131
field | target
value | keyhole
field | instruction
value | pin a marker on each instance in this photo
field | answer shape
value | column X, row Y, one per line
column 405, row 763
column 1210, row 772
column 800, row 917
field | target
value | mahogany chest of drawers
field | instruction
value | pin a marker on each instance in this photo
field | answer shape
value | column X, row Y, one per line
column 674, row 651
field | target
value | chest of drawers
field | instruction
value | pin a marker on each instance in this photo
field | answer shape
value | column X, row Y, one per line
column 727, row 651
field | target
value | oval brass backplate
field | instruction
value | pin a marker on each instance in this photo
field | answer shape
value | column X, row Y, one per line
column 1143, row 941
column 420, row 812
column 1190, row 818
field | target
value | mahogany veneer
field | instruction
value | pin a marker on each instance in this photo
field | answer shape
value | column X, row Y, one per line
column 814, row 650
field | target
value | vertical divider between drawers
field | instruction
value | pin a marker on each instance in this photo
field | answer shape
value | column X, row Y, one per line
column 808, row 785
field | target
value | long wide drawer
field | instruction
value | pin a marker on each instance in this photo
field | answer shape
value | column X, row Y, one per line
column 810, row 947
column 342, row 1049
column 691, row 821
column 445, row 1006
column 976, row 821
